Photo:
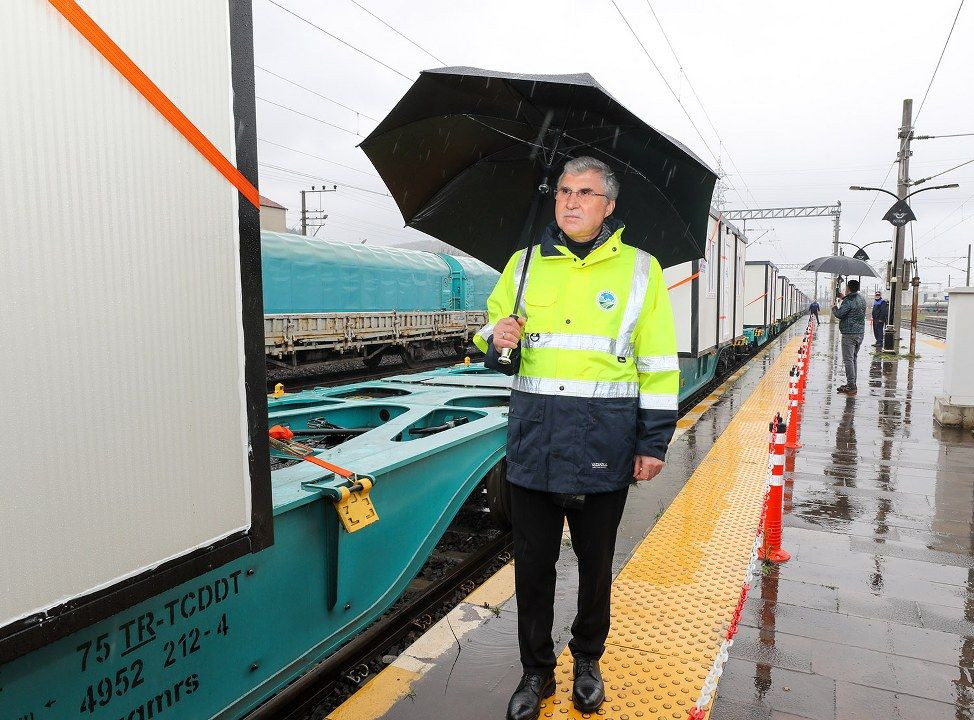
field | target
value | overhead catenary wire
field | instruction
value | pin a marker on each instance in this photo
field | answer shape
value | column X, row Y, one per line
column 400, row 34
column 944, row 172
column 703, row 108
column 310, row 117
column 665, row 82
column 315, row 92
column 323, row 179
column 335, row 37
column 939, row 60
column 917, row 116
column 316, row 157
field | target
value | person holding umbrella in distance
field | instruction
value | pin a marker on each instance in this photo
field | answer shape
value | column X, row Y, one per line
column 851, row 311
column 593, row 406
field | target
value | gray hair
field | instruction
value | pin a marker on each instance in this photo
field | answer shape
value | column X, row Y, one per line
column 576, row 166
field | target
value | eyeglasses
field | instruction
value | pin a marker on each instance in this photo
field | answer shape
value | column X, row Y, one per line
column 565, row 193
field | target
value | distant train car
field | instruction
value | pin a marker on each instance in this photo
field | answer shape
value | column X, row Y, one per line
column 707, row 308
column 326, row 300
column 783, row 296
column 760, row 307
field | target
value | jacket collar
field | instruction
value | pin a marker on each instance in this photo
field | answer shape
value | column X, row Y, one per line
column 553, row 247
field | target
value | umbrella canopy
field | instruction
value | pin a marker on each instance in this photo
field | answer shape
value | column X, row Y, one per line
column 840, row 265
column 464, row 152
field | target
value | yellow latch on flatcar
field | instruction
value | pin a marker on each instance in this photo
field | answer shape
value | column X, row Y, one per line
column 355, row 507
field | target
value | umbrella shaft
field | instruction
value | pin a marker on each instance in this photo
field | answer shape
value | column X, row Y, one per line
column 505, row 356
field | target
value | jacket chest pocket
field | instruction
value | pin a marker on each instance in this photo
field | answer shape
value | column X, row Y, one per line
column 525, row 430
column 540, row 306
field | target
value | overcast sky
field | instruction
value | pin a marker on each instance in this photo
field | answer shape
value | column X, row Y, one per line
column 806, row 100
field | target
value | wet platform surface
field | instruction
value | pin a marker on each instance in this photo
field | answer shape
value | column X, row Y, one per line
column 873, row 617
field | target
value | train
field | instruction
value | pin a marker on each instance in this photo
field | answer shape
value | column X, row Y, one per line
column 327, row 300
column 771, row 301
column 177, row 544
column 726, row 306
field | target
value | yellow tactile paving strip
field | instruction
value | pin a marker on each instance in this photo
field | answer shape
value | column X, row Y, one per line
column 674, row 599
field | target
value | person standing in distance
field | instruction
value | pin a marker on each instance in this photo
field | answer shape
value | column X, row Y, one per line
column 813, row 310
column 852, row 324
column 880, row 316
column 593, row 406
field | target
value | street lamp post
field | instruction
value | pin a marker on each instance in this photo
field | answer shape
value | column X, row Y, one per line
column 891, row 334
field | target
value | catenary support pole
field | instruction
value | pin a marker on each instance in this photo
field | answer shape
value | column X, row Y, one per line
column 913, row 312
column 891, row 338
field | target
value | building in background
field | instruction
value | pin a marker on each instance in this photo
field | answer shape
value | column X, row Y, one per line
column 272, row 215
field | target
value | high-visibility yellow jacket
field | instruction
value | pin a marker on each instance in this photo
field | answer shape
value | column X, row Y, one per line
column 596, row 378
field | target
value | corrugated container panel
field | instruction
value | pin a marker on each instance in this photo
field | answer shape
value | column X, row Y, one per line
column 121, row 295
column 305, row 275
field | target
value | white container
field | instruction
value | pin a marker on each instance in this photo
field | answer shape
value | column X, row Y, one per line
column 958, row 378
column 760, row 277
column 707, row 307
column 135, row 451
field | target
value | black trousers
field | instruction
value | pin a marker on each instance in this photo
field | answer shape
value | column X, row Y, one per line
column 878, row 328
column 538, row 523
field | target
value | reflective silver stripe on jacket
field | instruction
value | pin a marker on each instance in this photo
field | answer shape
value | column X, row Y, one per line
column 486, row 331
column 566, row 341
column 634, row 305
column 658, row 401
column 576, row 388
column 657, row 363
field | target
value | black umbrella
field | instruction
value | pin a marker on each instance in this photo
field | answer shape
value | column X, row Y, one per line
column 840, row 265
column 469, row 155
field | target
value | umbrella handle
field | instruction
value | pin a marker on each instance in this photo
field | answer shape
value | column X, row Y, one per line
column 505, row 357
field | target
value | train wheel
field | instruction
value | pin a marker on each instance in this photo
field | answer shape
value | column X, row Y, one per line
column 412, row 355
column 372, row 362
column 460, row 348
column 499, row 496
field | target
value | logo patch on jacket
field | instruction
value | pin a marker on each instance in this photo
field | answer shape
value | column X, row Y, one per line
column 600, row 466
column 606, row 300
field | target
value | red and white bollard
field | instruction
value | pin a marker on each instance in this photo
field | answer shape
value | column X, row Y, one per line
column 771, row 547
column 794, row 418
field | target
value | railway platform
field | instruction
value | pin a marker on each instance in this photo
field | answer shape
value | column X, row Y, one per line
column 872, row 615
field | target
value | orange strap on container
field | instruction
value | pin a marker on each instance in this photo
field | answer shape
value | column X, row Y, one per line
column 284, row 434
column 83, row 23
column 340, row 471
column 756, row 299
column 684, row 281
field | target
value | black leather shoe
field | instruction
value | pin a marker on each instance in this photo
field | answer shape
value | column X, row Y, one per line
column 525, row 703
column 588, row 692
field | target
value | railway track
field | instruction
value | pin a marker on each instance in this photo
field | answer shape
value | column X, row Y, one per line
column 935, row 326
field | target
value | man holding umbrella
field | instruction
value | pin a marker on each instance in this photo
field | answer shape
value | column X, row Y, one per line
column 593, row 407
column 851, row 311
